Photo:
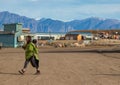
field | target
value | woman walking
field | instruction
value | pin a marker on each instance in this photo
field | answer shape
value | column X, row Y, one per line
column 30, row 52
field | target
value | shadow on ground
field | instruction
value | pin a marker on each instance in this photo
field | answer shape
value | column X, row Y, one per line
column 5, row 73
column 107, row 74
column 83, row 51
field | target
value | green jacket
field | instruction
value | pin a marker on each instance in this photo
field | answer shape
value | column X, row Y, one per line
column 31, row 50
column 36, row 52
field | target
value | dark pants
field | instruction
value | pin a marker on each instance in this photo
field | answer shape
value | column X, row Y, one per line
column 33, row 61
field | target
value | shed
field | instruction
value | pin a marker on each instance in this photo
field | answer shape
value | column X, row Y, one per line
column 77, row 37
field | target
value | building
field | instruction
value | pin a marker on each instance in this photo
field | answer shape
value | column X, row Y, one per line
column 45, row 36
column 26, row 30
column 10, row 37
column 87, row 35
column 49, row 36
column 77, row 37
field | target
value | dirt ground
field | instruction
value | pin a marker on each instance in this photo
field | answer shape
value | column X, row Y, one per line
column 63, row 66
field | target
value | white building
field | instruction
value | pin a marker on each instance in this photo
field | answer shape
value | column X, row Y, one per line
column 45, row 36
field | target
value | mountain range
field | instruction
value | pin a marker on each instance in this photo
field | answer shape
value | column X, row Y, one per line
column 50, row 25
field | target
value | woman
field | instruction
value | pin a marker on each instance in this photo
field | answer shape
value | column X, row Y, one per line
column 29, row 55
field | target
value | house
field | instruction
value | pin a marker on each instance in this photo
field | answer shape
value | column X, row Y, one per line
column 10, row 36
column 77, row 37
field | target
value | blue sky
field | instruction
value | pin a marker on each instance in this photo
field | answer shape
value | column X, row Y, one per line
column 65, row 10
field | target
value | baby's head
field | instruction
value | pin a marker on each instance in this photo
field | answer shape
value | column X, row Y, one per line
column 34, row 41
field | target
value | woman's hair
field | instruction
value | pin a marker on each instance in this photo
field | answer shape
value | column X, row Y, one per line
column 29, row 39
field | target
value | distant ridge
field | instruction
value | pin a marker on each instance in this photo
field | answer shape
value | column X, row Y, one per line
column 50, row 25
